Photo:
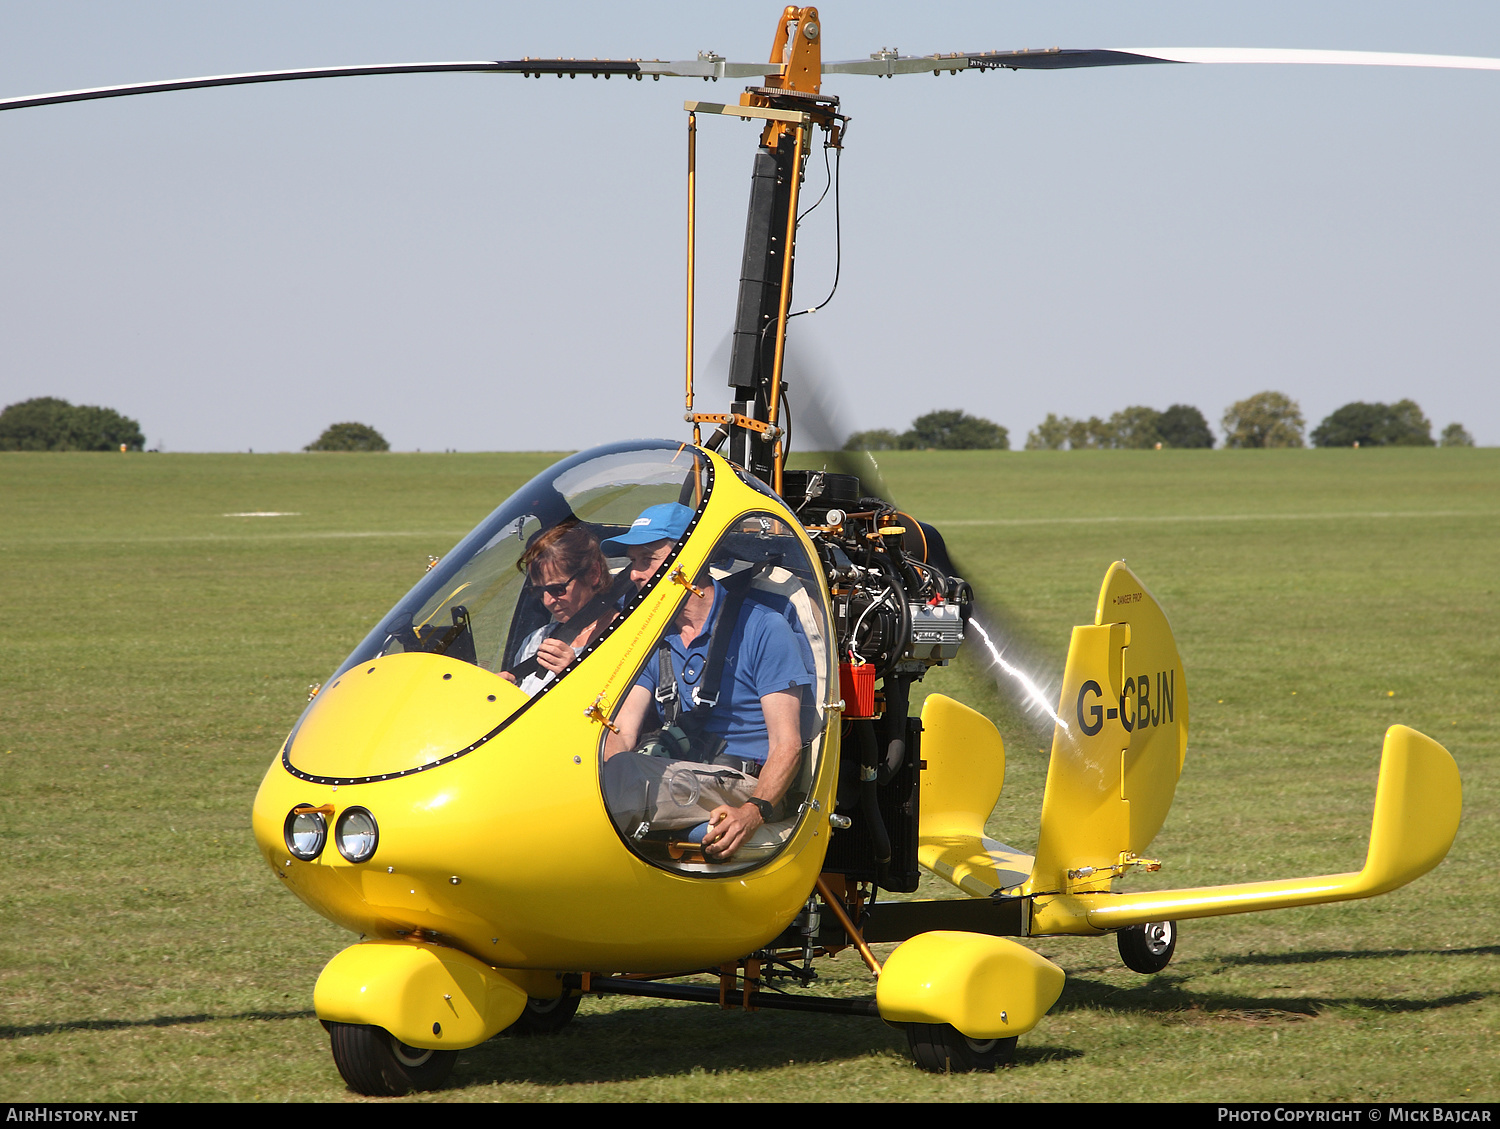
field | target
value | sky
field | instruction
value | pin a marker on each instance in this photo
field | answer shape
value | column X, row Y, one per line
column 482, row 262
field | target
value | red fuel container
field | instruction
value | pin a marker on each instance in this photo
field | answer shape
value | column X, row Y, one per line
column 857, row 688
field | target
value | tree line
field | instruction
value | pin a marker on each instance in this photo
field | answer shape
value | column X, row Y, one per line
column 1267, row 419
column 1134, row 428
column 1274, row 419
column 49, row 424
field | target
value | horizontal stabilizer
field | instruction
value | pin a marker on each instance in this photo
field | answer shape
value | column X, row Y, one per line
column 1417, row 804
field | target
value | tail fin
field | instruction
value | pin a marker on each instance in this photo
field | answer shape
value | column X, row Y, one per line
column 1118, row 747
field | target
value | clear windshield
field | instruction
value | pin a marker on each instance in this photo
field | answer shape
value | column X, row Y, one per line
column 484, row 604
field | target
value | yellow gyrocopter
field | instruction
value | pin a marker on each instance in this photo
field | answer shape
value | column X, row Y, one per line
column 506, row 837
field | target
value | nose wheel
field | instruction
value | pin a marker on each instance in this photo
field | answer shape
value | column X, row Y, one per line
column 376, row 1063
column 940, row 1048
column 1147, row 948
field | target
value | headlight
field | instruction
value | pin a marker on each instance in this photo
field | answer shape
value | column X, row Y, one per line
column 356, row 834
column 305, row 832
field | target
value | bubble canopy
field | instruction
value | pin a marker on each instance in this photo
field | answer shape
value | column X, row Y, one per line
column 479, row 605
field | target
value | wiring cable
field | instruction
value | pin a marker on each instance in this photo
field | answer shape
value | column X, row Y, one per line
column 838, row 235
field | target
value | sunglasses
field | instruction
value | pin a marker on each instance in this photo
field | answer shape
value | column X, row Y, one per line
column 559, row 590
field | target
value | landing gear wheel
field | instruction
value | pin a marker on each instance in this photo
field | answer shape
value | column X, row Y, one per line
column 940, row 1048
column 545, row 1017
column 1147, row 948
column 375, row 1062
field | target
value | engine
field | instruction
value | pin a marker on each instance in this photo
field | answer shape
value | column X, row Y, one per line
column 899, row 610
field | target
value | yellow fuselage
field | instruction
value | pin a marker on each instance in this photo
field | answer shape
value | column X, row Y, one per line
column 507, row 851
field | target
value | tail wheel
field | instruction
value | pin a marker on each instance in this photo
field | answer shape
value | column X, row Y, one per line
column 375, row 1062
column 546, row 1017
column 1147, row 948
column 940, row 1048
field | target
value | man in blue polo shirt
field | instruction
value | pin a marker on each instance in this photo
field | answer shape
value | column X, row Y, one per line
column 761, row 688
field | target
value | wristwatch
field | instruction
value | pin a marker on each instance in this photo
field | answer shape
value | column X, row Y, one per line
column 765, row 807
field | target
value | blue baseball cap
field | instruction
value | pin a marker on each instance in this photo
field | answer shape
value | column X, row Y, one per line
column 666, row 522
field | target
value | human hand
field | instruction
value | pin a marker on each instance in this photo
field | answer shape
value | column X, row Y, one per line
column 555, row 655
column 728, row 828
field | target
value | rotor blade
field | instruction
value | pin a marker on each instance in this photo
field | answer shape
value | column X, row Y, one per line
column 708, row 66
column 705, row 68
column 1260, row 55
column 885, row 63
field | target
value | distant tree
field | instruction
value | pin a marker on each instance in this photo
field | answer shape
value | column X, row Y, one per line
column 1136, row 428
column 49, row 424
column 1183, row 425
column 104, row 429
column 36, row 425
column 955, row 431
column 1353, row 423
column 881, row 439
column 1401, row 424
column 1089, row 434
column 1456, row 435
column 1056, row 433
column 1407, row 426
column 1050, row 435
column 349, row 437
column 1267, row 419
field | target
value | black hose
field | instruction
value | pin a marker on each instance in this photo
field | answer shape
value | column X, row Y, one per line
column 897, row 702
column 935, row 577
column 903, row 612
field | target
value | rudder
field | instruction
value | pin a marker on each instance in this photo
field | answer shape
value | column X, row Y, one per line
column 1118, row 747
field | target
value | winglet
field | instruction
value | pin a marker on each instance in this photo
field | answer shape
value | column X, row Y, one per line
column 1418, row 800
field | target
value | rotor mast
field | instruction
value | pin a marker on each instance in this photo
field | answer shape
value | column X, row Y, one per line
column 759, row 336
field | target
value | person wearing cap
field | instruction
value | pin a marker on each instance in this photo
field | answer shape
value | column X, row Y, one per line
column 649, row 540
column 758, row 712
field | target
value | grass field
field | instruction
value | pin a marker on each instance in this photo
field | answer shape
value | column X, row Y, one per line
column 157, row 651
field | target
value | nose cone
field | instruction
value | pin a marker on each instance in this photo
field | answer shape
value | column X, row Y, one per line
column 365, row 743
column 398, row 714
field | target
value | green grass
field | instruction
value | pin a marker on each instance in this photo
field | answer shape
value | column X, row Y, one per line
column 156, row 652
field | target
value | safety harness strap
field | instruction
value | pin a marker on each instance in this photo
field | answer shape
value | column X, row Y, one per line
column 706, row 692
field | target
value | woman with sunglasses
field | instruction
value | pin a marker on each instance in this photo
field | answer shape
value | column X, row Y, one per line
column 567, row 568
